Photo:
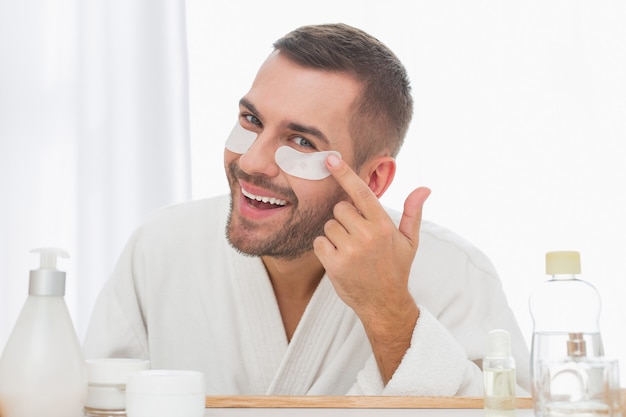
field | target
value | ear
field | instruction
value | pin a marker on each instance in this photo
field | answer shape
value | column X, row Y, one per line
column 380, row 172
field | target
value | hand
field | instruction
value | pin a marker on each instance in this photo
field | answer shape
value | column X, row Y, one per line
column 368, row 259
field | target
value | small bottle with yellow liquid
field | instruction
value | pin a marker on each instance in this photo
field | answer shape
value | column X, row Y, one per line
column 499, row 375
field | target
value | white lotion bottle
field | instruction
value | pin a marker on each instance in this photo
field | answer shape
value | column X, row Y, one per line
column 42, row 369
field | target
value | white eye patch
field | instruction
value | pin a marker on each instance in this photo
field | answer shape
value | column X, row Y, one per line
column 308, row 166
column 240, row 139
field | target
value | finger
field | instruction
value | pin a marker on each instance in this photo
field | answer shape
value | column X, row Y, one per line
column 335, row 232
column 361, row 195
column 412, row 215
column 323, row 248
column 348, row 216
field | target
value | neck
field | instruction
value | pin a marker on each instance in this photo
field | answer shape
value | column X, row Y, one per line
column 294, row 283
column 295, row 278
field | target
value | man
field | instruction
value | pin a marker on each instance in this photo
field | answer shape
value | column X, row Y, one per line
column 316, row 288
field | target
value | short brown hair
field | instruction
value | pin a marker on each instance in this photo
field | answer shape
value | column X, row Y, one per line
column 384, row 108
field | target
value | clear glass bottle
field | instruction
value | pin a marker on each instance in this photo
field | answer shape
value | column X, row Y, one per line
column 578, row 385
column 562, row 306
column 499, row 375
column 42, row 370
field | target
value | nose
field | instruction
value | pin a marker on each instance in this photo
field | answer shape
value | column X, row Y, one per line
column 259, row 159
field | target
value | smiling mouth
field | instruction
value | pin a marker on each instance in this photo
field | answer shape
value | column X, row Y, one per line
column 263, row 202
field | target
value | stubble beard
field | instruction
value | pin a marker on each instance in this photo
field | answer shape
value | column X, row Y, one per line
column 287, row 241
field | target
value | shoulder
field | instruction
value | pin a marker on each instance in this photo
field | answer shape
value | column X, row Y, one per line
column 183, row 225
column 189, row 210
column 442, row 250
column 190, row 214
column 439, row 244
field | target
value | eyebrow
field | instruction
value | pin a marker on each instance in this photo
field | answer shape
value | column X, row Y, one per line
column 297, row 127
column 309, row 130
column 246, row 103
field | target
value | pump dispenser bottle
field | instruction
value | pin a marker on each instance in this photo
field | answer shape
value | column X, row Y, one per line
column 42, row 370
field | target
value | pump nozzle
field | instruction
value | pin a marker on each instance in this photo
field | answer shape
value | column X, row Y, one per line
column 48, row 257
column 498, row 343
column 47, row 280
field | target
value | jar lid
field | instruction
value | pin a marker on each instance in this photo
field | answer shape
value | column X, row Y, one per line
column 166, row 382
column 113, row 370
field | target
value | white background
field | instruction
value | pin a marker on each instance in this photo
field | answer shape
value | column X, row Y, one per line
column 519, row 128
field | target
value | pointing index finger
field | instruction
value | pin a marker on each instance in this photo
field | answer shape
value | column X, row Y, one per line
column 362, row 196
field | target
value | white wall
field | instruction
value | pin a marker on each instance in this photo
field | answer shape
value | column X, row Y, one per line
column 93, row 136
column 520, row 119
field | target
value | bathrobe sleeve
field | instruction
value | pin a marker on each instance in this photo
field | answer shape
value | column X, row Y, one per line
column 434, row 365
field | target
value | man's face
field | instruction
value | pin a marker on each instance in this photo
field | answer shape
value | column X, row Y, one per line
column 272, row 213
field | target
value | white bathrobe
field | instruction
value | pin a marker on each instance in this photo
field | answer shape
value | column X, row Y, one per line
column 183, row 298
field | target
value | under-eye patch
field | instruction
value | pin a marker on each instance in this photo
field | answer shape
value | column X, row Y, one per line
column 240, row 139
column 308, row 166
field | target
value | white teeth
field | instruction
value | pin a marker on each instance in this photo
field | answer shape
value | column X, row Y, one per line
column 270, row 200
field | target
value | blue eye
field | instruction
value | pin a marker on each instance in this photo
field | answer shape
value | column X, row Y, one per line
column 303, row 142
column 252, row 119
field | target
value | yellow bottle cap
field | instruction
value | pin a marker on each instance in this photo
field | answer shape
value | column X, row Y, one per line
column 562, row 262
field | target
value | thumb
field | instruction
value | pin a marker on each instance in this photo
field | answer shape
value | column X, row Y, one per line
column 412, row 215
